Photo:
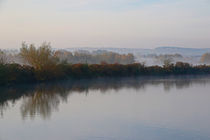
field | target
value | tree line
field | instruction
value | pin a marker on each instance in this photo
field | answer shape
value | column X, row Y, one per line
column 97, row 58
column 42, row 64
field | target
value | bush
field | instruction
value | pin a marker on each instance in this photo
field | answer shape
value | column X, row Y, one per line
column 15, row 73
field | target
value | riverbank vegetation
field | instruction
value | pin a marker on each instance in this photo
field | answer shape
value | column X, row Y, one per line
column 43, row 64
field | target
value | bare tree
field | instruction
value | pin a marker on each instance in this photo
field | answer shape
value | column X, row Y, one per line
column 167, row 62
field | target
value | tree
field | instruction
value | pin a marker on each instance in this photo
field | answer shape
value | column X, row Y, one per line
column 205, row 58
column 167, row 62
column 3, row 57
column 40, row 58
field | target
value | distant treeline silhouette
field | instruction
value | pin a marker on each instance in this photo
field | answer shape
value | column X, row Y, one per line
column 79, row 56
column 42, row 64
column 94, row 58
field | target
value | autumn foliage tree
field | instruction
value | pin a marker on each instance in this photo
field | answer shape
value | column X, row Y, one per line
column 92, row 58
column 205, row 58
column 40, row 58
column 41, row 64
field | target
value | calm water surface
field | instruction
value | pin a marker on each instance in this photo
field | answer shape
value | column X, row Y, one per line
column 108, row 109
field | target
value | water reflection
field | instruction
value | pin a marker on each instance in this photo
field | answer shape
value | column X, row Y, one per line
column 42, row 102
column 43, row 99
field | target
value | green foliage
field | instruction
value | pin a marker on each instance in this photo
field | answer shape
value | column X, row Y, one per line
column 15, row 73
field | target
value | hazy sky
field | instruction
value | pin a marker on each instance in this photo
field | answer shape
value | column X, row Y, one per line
column 105, row 23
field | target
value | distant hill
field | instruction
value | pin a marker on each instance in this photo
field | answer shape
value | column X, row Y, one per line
column 182, row 51
column 158, row 50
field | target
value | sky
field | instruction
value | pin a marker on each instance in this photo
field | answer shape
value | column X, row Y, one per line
column 105, row 23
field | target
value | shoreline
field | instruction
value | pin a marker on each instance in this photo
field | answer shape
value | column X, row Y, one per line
column 15, row 74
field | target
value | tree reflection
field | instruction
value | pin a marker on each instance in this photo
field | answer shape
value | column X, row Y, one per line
column 41, row 103
column 43, row 99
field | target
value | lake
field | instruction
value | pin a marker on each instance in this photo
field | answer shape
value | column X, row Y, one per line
column 146, row 108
